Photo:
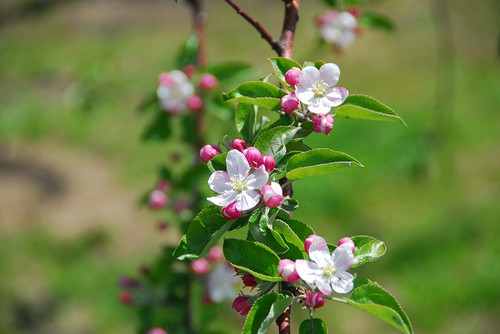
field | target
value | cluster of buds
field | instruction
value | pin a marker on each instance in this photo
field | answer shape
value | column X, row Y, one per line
column 314, row 94
column 339, row 28
column 177, row 93
column 242, row 305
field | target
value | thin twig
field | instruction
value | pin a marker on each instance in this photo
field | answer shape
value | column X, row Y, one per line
column 274, row 43
column 289, row 24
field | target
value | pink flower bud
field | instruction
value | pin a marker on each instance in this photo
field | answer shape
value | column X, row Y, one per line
column 215, row 254
column 254, row 157
column 269, row 163
column 157, row 331
column 181, row 205
column 249, row 280
column 231, row 212
column 272, row 194
column 206, row 300
column 200, row 266
column 292, row 76
column 208, row 81
column 126, row 297
column 195, row 103
column 323, row 124
column 287, row 271
column 289, row 103
column 164, row 78
column 162, row 226
column 355, row 11
column 241, row 305
column 239, row 144
column 157, row 199
column 144, row 270
column 349, row 241
column 189, row 70
column 309, row 241
column 127, row 282
column 208, row 152
column 164, row 185
column 314, row 300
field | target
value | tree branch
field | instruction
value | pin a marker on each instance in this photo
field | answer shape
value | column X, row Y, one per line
column 274, row 43
column 289, row 24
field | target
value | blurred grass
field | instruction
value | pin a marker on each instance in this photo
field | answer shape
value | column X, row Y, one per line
column 73, row 76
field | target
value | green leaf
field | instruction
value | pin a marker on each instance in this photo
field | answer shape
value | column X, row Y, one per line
column 288, row 233
column 253, row 257
column 376, row 20
column 273, row 141
column 366, row 107
column 159, row 128
column 281, row 66
column 318, row 162
column 372, row 298
column 262, row 94
column 188, row 125
column 264, row 312
column 149, row 102
column 290, row 204
column 203, row 232
column 246, row 118
column 217, row 163
column 368, row 249
column 260, row 232
column 227, row 70
column 189, row 52
column 313, row 326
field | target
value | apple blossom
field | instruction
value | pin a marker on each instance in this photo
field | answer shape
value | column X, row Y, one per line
column 268, row 162
column 348, row 241
column 272, row 194
column 237, row 185
column 254, row 157
column 239, row 144
column 157, row 199
column 195, row 103
column 241, row 305
column 292, row 76
column 289, row 103
column 208, row 152
column 174, row 91
column 308, row 242
column 208, row 81
column 286, row 269
column 314, row 300
column 323, row 124
column 338, row 28
column 200, row 266
column 231, row 211
column 327, row 272
column 221, row 283
column 249, row 280
column 317, row 91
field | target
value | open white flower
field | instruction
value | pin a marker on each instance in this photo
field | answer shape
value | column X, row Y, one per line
column 339, row 29
column 174, row 91
column 317, row 91
column 236, row 185
column 222, row 283
column 327, row 272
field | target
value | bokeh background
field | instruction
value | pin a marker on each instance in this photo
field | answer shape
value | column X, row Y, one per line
column 72, row 166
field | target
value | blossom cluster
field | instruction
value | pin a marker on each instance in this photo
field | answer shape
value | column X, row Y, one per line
column 339, row 28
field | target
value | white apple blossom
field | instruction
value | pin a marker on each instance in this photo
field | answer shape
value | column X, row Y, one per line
column 174, row 91
column 237, row 185
column 221, row 283
column 327, row 272
column 339, row 28
column 317, row 91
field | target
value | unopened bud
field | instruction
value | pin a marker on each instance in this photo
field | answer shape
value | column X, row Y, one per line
column 289, row 103
column 215, row 254
column 157, row 199
column 181, row 205
column 323, row 124
column 269, row 163
column 127, row 282
column 254, row 157
column 165, row 79
column 231, row 211
column 162, row 226
column 348, row 241
column 189, row 70
column 200, row 266
column 126, row 297
column 308, row 242
column 287, row 271
column 292, row 76
column 144, row 270
column 208, row 81
column 355, row 11
column 206, row 300
column 249, row 280
column 239, row 144
column 164, row 185
column 272, row 194
column 157, row 331
column 207, row 152
column 314, row 300
column 241, row 305
column 195, row 103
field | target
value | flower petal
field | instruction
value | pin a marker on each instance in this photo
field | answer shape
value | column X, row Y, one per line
column 319, row 252
column 329, row 73
column 307, row 270
column 318, row 106
column 342, row 282
column 224, row 199
column 323, row 285
column 342, row 257
column 247, row 200
column 237, row 164
column 308, row 76
column 336, row 96
column 257, row 179
column 304, row 94
column 219, row 182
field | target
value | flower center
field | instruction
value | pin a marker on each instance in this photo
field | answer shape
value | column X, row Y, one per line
column 238, row 183
column 319, row 88
column 329, row 271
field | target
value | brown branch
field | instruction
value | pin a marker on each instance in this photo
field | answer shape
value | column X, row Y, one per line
column 274, row 43
column 289, row 24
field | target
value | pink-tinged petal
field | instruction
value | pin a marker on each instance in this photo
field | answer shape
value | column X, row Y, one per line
column 347, row 20
column 318, row 107
column 319, row 252
column 336, row 96
column 257, row 179
column 307, row 270
column 323, row 285
column 308, row 76
column 342, row 282
column 247, row 200
column 329, row 73
column 237, row 164
column 342, row 257
column 219, row 182
column 331, row 34
column 225, row 199
column 304, row 94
